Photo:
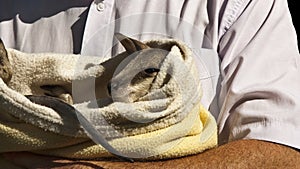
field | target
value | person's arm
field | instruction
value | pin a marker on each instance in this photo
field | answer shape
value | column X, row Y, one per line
column 238, row 154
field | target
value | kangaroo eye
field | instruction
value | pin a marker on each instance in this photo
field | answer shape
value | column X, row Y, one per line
column 151, row 71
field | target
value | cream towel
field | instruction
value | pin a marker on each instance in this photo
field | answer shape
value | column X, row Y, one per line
column 167, row 122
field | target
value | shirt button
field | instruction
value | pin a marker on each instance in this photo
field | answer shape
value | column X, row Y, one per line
column 100, row 6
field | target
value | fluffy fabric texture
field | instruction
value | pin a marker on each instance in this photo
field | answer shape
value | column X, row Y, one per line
column 168, row 122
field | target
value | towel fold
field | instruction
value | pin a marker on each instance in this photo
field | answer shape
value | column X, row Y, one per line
column 168, row 122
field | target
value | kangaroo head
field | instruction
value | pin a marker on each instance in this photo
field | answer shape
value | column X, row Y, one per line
column 129, row 76
column 134, row 76
column 5, row 67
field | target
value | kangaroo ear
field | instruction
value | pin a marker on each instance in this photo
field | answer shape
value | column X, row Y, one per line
column 131, row 45
column 3, row 53
column 2, row 48
column 5, row 67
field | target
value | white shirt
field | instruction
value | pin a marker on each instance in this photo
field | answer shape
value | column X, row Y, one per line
column 256, row 96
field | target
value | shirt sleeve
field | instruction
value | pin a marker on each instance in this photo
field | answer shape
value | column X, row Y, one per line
column 43, row 26
column 260, row 86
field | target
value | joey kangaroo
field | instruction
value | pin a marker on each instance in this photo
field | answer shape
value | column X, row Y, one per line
column 134, row 75
column 130, row 76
